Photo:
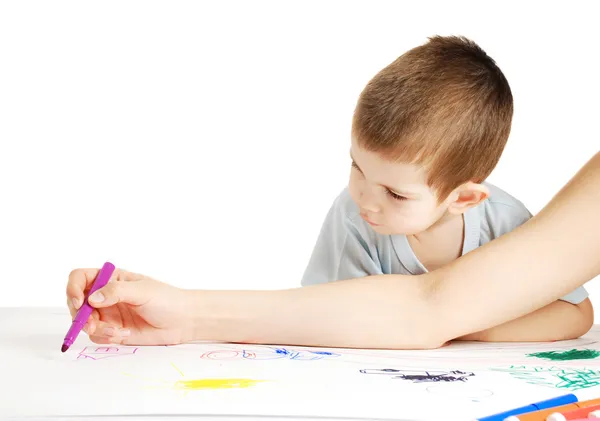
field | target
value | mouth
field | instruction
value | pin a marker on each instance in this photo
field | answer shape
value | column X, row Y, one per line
column 368, row 221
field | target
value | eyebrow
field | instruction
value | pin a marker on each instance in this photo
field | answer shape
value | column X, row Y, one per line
column 400, row 192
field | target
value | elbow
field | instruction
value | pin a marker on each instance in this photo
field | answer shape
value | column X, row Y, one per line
column 421, row 324
column 424, row 339
column 587, row 318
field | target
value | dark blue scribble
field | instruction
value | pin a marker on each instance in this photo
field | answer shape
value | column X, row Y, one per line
column 420, row 376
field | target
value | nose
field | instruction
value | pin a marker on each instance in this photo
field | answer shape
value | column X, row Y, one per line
column 367, row 201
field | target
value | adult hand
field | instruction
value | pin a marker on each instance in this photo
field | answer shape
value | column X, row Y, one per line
column 132, row 309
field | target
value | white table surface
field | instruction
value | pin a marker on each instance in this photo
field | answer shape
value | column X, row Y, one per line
column 35, row 335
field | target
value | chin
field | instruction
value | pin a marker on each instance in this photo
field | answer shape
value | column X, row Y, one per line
column 390, row 231
column 383, row 230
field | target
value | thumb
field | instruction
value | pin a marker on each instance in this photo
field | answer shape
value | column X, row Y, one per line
column 134, row 293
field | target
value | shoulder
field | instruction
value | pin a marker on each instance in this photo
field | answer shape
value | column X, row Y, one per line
column 500, row 198
column 501, row 212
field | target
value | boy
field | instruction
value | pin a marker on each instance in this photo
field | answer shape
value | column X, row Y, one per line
column 426, row 133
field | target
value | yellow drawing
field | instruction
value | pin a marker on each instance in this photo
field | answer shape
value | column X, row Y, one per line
column 215, row 384
column 201, row 384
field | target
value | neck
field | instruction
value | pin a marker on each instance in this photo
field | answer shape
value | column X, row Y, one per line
column 440, row 227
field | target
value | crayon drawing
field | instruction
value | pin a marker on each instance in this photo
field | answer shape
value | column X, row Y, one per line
column 573, row 354
column 200, row 384
column 187, row 385
column 420, row 376
column 268, row 353
column 568, row 378
column 102, row 352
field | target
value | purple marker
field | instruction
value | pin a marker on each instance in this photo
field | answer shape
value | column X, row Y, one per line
column 85, row 311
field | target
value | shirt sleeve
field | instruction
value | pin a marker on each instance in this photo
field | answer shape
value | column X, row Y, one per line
column 344, row 249
column 506, row 217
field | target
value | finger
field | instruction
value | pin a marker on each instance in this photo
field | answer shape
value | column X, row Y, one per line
column 94, row 319
column 89, row 326
column 101, row 340
column 73, row 312
column 118, row 337
column 71, row 308
column 109, row 330
column 80, row 280
column 95, row 315
column 134, row 293
column 117, row 340
column 126, row 276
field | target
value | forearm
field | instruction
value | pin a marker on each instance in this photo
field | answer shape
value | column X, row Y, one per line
column 373, row 312
column 507, row 278
column 557, row 321
column 547, row 257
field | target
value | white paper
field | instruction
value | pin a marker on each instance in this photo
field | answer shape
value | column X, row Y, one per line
column 459, row 382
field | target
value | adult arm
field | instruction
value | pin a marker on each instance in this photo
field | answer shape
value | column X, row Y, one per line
column 555, row 252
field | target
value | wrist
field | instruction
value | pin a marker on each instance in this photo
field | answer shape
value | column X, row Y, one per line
column 229, row 316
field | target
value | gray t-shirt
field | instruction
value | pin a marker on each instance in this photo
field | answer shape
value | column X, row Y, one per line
column 348, row 248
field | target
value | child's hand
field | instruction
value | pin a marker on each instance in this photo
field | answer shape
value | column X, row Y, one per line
column 132, row 309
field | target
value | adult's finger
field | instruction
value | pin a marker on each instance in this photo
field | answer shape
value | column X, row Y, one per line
column 79, row 281
column 124, row 275
column 134, row 293
column 71, row 308
column 73, row 311
column 101, row 340
column 109, row 330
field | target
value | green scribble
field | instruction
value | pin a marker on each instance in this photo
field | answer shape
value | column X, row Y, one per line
column 574, row 354
column 561, row 378
column 578, row 379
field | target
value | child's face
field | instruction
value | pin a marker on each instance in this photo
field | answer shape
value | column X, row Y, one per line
column 393, row 197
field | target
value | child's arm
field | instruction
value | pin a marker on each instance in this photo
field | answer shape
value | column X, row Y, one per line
column 557, row 321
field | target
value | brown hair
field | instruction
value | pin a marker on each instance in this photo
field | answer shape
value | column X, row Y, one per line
column 445, row 105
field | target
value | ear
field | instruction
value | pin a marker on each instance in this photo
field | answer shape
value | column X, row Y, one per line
column 466, row 197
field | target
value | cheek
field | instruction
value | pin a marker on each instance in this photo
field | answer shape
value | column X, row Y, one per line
column 412, row 218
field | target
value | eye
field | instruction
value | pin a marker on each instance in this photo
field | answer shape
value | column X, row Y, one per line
column 394, row 195
column 355, row 166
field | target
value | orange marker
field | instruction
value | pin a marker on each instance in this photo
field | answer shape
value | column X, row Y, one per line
column 541, row 415
column 572, row 415
column 591, row 402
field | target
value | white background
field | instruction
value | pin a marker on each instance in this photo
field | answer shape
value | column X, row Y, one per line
column 202, row 143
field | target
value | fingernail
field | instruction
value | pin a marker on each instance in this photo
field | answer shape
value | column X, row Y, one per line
column 125, row 332
column 109, row 331
column 75, row 302
column 97, row 297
